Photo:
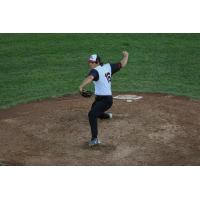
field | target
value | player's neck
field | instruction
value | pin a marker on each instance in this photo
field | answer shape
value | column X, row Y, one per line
column 92, row 67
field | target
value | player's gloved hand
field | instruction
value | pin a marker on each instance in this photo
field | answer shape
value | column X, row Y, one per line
column 86, row 93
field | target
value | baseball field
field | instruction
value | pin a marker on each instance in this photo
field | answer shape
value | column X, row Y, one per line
column 43, row 119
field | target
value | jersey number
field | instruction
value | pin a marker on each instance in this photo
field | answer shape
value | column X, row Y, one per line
column 107, row 75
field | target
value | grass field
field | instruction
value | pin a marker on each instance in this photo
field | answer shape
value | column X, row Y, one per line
column 37, row 66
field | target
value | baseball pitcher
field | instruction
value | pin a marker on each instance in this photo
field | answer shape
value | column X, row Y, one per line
column 101, row 75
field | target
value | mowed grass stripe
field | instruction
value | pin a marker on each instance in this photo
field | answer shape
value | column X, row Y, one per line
column 37, row 66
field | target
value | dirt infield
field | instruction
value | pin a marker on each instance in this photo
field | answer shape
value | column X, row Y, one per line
column 156, row 130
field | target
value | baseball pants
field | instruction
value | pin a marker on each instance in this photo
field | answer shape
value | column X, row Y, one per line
column 100, row 105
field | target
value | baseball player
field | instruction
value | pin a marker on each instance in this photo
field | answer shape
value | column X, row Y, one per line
column 100, row 74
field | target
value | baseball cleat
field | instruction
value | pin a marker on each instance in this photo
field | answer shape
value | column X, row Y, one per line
column 110, row 115
column 94, row 142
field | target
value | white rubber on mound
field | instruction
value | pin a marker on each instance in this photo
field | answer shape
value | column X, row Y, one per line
column 129, row 98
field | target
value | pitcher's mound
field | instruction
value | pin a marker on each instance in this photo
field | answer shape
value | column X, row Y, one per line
column 149, row 129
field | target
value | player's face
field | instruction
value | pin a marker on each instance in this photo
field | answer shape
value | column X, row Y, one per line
column 92, row 64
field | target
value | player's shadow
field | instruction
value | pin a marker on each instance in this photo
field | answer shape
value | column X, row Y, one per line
column 100, row 147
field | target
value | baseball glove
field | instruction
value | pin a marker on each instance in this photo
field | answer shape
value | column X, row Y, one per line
column 86, row 93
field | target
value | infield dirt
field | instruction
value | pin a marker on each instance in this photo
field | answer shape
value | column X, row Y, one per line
column 156, row 130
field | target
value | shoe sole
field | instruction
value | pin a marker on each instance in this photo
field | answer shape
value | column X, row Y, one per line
column 110, row 115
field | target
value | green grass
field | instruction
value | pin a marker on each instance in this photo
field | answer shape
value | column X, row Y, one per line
column 37, row 66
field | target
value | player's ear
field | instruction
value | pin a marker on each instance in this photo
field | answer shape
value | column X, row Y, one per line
column 98, row 60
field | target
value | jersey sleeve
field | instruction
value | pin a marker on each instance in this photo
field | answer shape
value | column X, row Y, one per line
column 94, row 73
column 115, row 67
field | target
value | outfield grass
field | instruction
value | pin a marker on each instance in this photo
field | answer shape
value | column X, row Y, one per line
column 37, row 66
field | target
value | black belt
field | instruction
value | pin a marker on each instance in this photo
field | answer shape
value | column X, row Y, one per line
column 100, row 97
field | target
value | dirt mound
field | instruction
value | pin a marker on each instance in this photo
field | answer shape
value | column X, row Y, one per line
column 154, row 130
